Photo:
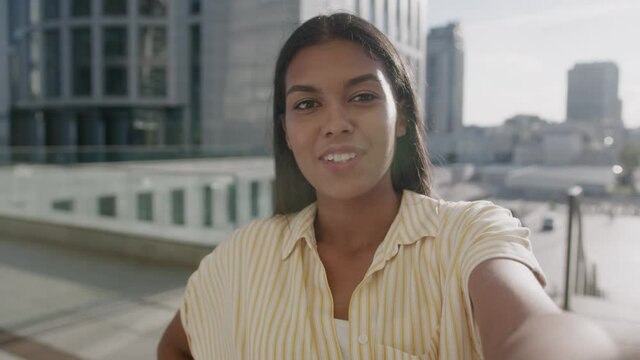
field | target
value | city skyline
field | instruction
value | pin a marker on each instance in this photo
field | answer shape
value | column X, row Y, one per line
column 524, row 50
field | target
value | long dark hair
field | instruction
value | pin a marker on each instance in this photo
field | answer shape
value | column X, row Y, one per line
column 410, row 165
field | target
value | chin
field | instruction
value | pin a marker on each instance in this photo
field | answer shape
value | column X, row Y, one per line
column 344, row 191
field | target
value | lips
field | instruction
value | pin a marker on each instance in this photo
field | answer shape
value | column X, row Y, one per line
column 340, row 158
column 340, row 152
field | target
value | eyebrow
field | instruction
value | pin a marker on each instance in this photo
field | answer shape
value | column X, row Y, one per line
column 349, row 83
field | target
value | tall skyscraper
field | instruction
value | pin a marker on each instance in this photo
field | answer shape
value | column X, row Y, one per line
column 592, row 95
column 445, row 79
column 95, row 75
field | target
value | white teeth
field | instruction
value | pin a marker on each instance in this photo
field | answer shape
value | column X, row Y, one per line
column 340, row 157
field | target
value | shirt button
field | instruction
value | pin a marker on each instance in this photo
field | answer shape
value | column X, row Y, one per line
column 363, row 339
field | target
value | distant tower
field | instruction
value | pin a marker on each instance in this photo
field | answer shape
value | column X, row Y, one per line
column 445, row 79
column 592, row 95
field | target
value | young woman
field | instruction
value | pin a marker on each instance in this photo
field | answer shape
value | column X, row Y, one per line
column 359, row 262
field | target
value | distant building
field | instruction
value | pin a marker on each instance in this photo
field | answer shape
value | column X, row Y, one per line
column 87, row 75
column 593, row 100
column 592, row 94
column 473, row 145
column 546, row 181
column 634, row 136
column 445, row 79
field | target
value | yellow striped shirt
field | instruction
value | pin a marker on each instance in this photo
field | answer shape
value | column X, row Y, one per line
column 263, row 294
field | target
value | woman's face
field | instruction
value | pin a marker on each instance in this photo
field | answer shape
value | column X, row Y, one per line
column 341, row 120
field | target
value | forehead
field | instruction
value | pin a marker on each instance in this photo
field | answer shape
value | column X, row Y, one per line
column 331, row 60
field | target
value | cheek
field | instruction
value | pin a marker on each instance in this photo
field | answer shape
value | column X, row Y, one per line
column 299, row 141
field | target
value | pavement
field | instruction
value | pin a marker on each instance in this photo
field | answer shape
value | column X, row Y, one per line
column 62, row 303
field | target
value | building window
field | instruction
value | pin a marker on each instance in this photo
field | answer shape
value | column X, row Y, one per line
column 81, row 60
column 255, row 199
column 207, row 203
column 195, row 85
column 115, row 42
column 115, row 58
column 115, row 80
column 196, row 6
column 155, row 8
column 148, row 126
column 52, row 66
column 80, row 8
column 153, row 81
column 114, row 7
column 153, row 73
column 416, row 36
column 407, row 28
column 385, row 16
column 107, row 206
column 231, row 203
column 51, row 9
column 62, row 205
column 398, row 19
column 174, row 131
column 34, row 40
column 372, row 11
column 35, row 11
column 145, row 206
column 153, row 42
column 177, row 206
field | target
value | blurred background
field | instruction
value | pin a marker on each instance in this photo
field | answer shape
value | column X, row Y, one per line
column 135, row 136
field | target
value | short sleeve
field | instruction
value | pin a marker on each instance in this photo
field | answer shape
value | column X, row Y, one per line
column 476, row 232
column 492, row 232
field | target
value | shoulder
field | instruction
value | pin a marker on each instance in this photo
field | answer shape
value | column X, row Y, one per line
column 259, row 239
column 461, row 214
column 448, row 213
column 262, row 235
column 478, row 228
column 466, row 209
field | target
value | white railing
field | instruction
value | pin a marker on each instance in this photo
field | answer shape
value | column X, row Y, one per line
column 177, row 206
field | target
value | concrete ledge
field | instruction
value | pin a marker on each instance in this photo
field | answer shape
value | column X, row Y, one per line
column 109, row 242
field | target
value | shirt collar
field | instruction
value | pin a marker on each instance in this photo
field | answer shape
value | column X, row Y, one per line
column 417, row 218
column 300, row 227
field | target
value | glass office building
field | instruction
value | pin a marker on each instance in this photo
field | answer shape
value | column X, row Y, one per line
column 93, row 79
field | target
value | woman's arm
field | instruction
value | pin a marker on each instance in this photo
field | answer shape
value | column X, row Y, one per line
column 174, row 344
column 517, row 320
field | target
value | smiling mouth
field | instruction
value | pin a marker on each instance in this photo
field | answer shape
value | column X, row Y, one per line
column 339, row 158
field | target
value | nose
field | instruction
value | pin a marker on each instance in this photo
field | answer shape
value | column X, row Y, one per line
column 337, row 121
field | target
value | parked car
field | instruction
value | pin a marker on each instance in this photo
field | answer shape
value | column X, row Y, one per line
column 548, row 223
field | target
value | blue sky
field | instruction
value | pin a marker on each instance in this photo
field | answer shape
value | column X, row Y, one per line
column 518, row 52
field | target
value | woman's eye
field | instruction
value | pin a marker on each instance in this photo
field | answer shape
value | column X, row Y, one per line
column 363, row 97
column 305, row 105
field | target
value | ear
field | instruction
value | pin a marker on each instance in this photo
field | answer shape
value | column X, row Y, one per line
column 401, row 121
column 283, row 123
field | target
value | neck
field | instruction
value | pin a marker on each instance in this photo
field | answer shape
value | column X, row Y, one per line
column 358, row 223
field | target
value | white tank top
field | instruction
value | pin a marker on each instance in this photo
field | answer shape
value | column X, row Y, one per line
column 342, row 330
